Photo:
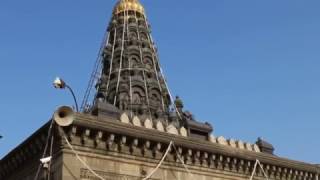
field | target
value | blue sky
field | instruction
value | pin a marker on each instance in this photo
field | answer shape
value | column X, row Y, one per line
column 251, row 68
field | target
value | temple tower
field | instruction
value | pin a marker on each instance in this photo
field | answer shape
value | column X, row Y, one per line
column 131, row 78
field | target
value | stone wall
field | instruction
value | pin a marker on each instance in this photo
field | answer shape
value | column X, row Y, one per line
column 126, row 167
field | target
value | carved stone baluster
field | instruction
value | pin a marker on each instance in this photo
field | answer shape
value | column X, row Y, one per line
column 234, row 162
column 295, row 175
column 98, row 140
column 188, row 157
column 241, row 166
column 306, row 176
column 212, row 161
column 111, row 146
column 85, row 137
column 171, row 155
column 196, row 158
column 157, row 151
column 205, row 159
column 122, row 145
column 273, row 172
column 301, row 175
column 311, row 177
column 179, row 149
column 219, row 162
column 284, row 173
column 278, row 173
column 267, row 170
column 134, row 147
column 226, row 164
column 248, row 167
column 146, row 149
column 72, row 135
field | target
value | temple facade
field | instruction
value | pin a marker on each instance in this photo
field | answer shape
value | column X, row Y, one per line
column 136, row 130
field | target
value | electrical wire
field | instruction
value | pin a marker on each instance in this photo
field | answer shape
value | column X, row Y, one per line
column 161, row 161
column 82, row 161
column 143, row 70
column 121, row 58
column 255, row 168
column 45, row 149
column 182, row 162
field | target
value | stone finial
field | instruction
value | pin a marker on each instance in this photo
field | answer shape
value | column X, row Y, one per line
column 171, row 129
column 148, row 124
column 136, row 121
column 232, row 143
column 212, row 139
column 256, row 148
column 159, row 126
column 240, row 144
column 125, row 118
column 248, row 146
column 183, row 132
column 221, row 140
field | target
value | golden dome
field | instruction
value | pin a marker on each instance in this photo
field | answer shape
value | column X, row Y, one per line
column 128, row 5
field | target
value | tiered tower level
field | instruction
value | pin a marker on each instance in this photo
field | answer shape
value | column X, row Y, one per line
column 131, row 76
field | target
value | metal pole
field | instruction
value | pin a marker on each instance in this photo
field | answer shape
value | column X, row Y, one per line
column 74, row 97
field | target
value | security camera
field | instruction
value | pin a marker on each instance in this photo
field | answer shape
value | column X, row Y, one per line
column 45, row 160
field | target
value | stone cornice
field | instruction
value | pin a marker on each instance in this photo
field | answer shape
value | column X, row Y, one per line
column 107, row 134
column 194, row 151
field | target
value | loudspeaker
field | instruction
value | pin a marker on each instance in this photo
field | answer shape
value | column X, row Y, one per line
column 64, row 116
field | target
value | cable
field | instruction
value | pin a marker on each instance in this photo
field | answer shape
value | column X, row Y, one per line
column 255, row 168
column 82, row 161
column 129, row 74
column 154, row 64
column 143, row 70
column 112, row 55
column 45, row 149
column 157, row 167
column 181, row 160
column 51, row 150
column 164, row 79
column 121, row 58
column 96, row 67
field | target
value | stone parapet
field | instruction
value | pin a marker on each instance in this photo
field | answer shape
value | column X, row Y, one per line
column 115, row 136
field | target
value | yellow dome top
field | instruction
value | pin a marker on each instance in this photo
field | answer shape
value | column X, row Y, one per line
column 128, row 5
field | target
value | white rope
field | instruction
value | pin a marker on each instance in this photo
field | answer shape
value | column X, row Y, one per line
column 129, row 74
column 255, row 168
column 265, row 174
column 154, row 64
column 51, row 155
column 121, row 58
column 111, row 63
column 82, row 161
column 164, row 79
column 181, row 160
column 174, row 105
column 157, row 167
column 45, row 149
column 143, row 71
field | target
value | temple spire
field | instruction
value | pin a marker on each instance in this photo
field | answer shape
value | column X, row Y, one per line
column 131, row 79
